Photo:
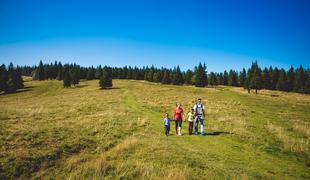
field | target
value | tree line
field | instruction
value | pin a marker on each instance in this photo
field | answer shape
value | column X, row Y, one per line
column 292, row 80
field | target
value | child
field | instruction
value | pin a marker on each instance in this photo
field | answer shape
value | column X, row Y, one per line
column 190, row 117
column 167, row 124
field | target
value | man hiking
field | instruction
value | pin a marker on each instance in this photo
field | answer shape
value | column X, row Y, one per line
column 199, row 116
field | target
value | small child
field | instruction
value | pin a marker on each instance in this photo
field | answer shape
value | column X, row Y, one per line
column 190, row 117
column 167, row 124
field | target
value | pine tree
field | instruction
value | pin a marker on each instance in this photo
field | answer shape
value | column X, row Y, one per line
column 166, row 77
column 158, row 76
column 201, row 76
column 274, row 78
column 220, row 79
column 177, row 78
column 90, row 73
column 59, row 72
column 247, row 81
column 282, row 81
column 256, row 79
column 225, row 78
column 266, row 79
column 188, row 77
column 66, row 77
column 98, row 72
column 300, row 82
column 39, row 72
column 106, row 78
column 242, row 77
column 3, row 77
column 290, row 79
column 18, row 80
column 232, row 78
column 213, row 79
column 75, row 75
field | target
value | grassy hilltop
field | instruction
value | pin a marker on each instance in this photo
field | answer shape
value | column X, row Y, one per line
column 50, row 132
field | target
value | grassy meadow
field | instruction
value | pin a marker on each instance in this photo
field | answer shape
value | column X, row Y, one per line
column 48, row 132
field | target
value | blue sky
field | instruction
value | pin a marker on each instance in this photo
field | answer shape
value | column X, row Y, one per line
column 224, row 34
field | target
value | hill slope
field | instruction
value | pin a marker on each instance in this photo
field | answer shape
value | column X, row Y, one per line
column 83, row 132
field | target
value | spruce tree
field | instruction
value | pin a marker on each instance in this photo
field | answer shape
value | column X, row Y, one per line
column 256, row 79
column 242, row 77
column 66, row 77
column 201, row 76
column 106, row 78
column 98, row 72
column 274, row 78
column 282, row 81
column 220, row 79
column 266, row 79
column 177, row 78
column 188, row 77
column 75, row 75
column 166, row 77
column 225, row 78
column 40, row 74
column 3, row 77
column 300, row 81
column 290, row 79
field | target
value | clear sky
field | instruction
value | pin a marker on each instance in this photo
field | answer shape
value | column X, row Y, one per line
column 225, row 34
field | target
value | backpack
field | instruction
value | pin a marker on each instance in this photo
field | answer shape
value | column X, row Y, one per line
column 201, row 106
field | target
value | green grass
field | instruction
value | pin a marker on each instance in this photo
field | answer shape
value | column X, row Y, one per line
column 86, row 133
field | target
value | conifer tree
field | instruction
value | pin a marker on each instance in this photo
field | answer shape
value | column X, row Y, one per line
column 282, row 81
column 201, row 76
column 177, row 78
column 106, row 78
column 274, row 78
column 225, row 78
column 188, row 77
column 290, row 79
column 242, row 77
column 256, row 79
column 66, row 77
column 300, row 82
column 166, row 77
column 3, row 77
column 266, row 79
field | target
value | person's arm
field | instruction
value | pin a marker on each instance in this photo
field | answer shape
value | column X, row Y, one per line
column 203, row 111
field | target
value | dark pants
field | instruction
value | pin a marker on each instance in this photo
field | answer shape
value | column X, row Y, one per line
column 190, row 128
column 178, row 123
column 167, row 129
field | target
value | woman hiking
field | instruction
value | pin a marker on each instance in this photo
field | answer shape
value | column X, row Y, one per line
column 178, row 114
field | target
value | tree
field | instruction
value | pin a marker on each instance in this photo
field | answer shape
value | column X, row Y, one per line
column 188, row 77
column 3, row 77
column 247, row 81
column 232, row 78
column 201, row 76
column 242, row 77
column 274, row 77
column 75, row 75
column 98, row 72
column 59, row 73
column 166, row 77
column 177, row 78
column 39, row 72
column 290, row 79
column 220, row 79
column 256, row 79
column 90, row 73
column 225, row 78
column 213, row 79
column 266, row 79
column 300, row 82
column 66, row 77
column 282, row 81
column 106, row 78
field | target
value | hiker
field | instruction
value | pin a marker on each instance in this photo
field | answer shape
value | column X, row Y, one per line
column 199, row 116
column 178, row 113
column 167, row 124
column 190, row 118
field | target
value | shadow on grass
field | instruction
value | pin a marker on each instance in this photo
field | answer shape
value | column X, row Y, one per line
column 216, row 133
column 103, row 89
column 25, row 89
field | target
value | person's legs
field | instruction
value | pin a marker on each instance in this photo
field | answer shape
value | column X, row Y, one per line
column 196, row 125
column 201, row 126
column 176, row 126
column 180, row 127
column 190, row 128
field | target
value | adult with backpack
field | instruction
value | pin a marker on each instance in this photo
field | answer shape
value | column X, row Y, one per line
column 199, row 116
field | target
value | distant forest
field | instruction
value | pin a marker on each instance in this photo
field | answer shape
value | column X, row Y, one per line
column 256, row 78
